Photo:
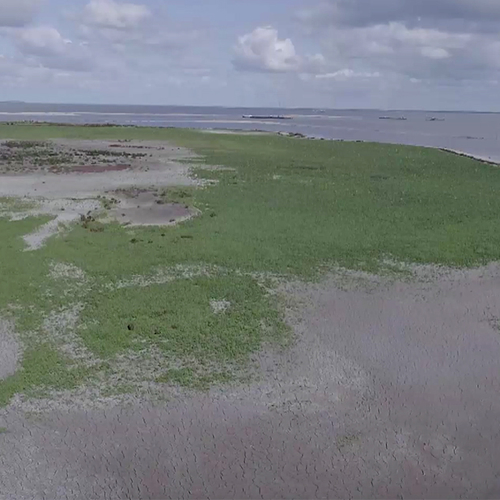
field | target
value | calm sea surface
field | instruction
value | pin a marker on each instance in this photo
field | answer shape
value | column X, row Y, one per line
column 474, row 133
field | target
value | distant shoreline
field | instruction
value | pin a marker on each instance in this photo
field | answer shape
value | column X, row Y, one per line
column 292, row 135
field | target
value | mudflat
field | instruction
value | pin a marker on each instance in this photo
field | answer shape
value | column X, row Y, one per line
column 248, row 317
column 390, row 391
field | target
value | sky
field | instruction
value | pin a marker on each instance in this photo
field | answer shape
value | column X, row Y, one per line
column 385, row 54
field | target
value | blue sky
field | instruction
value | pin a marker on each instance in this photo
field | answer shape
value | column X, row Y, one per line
column 430, row 54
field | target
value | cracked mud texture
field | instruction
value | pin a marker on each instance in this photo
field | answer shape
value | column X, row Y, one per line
column 391, row 391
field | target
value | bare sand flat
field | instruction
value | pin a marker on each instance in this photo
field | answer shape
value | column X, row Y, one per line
column 90, row 171
column 145, row 208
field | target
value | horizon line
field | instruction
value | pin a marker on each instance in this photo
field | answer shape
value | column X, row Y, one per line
column 315, row 108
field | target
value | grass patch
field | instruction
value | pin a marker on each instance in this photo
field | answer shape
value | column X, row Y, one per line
column 347, row 441
column 285, row 207
column 44, row 368
column 178, row 195
column 178, row 319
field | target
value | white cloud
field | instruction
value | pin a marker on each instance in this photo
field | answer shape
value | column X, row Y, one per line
column 359, row 13
column 491, row 53
column 15, row 73
column 148, row 36
column 366, row 49
column 393, row 38
column 411, row 52
column 16, row 13
column 42, row 41
column 425, row 36
column 262, row 50
column 133, row 30
column 435, row 53
column 347, row 74
column 115, row 15
column 441, row 41
column 49, row 49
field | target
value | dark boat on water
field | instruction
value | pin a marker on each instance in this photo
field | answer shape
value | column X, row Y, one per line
column 398, row 118
column 267, row 117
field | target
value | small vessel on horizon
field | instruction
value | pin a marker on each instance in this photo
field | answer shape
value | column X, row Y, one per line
column 398, row 118
column 267, row 117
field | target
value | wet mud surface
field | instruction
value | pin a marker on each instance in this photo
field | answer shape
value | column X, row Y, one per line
column 390, row 391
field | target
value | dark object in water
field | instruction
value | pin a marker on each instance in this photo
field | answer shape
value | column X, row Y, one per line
column 398, row 118
column 434, row 119
column 268, row 117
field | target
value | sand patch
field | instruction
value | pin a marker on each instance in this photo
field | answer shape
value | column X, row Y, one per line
column 61, row 325
column 9, row 350
column 63, row 271
column 146, row 208
column 220, row 306
column 71, row 193
column 64, row 211
column 97, row 169
column 88, row 168
column 167, row 275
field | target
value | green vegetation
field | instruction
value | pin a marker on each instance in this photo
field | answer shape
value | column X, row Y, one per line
column 178, row 319
column 43, row 368
column 284, row 207
column 291, row 205
column 347, row 440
